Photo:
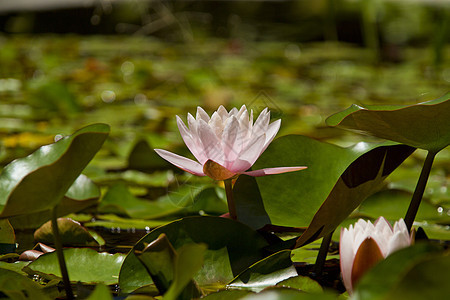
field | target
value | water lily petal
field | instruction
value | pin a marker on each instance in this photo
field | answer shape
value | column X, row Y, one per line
column 272, row 171
column 190, row 141
column 181, row 162
column 216, row 124
column 201, row 114
column 192, row 123
column 262, row 122
column 211, row 143
column 346, row 255
column 233, row 112
column 249, row 155
column 271, row 132
column 229, row 139
column 222, row 111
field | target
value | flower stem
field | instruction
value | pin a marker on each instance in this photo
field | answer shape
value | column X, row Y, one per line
column 230, row 201
column 322, row 255
column 420, row 188
column 60, row 254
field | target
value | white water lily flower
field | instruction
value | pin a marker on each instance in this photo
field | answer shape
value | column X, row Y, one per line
column 226, row 144
column 365, row 244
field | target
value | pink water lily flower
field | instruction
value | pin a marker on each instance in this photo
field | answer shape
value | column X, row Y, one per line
column 226, row 144
column 364, row 245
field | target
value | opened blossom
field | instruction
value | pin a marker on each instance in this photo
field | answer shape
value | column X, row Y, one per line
column 226, row 144
column 363, row 245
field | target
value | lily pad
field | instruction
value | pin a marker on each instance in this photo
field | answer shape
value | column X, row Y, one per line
column 302, row 283
column 83, row 264
column 392, row 204
column 71, row 232
column 186, row 200
column 39, row 181
column 188, row 262
column 101, row 292
column 7, row 235
column 16, row 286
column 232, row 247
column 320, row 197
column 424, row 125
column 82, row 194
column 266, row 272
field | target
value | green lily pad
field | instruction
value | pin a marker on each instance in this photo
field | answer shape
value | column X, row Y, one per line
column 143, row 158
column 39, row 181
column 266, row 272
column 232, row 247
column 417, row 272
column 424, row 125
column 279, row 293
column 16, row 286
column 392, row 204
column 302, row 283
column 15, row 266
column 308, row 253
column 82, row 194
column 320, row 197
column 83, row 264
column 7, row 235
column 114, row 221
column 188, row 262
column 101, row 292
column 71, row 232
column 228, row 295
column 186, row 200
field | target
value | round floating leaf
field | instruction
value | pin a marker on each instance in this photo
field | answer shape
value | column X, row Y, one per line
column 7, row 235
column 71, row 232
column 39, row 181
column 101, row 292
column 228, row 295
column 143, row 158
column 322, row 196
column 232, row 247
column 392, row 204
column 287, row 294
column 82, row 193
column 267, row 272
column 424, row 125
column 188, row 262
column 302, row 283
column 16, row 286
column 420, row 271
column 83, row 264
column 186, row 200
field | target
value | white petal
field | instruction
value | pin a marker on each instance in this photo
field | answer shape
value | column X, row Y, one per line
column 229, row 139
column 242, row 110
column 262, row 122
column 347, row 255
column 181, row 162
column 201, row 114
column 211, row 144
column 398, row 241
column 190, row 141
column 249, row 155
column 192, row 123
column 271, row 132
column 272, row 171
column 233, row 112
column 222, row 111
column 216, row 124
